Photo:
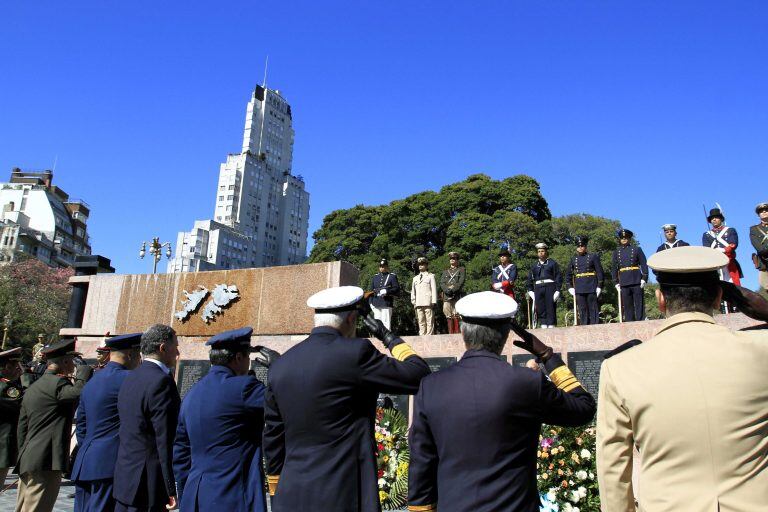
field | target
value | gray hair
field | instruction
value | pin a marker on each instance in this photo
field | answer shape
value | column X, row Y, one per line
column 335, row 320
column 485, row 337
column 154, row 337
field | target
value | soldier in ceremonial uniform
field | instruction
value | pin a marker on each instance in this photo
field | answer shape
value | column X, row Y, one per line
column 385, row 288
column 102, row 357
column 98, row 424
column 424, row 297
column 504, row 275
column 758, row 235
column 45, row 427
column 544, row 283
column 726, row 240
column 452, row 288
column 585, row 281
column 693, row 399
column 217, row 452
column 630, row 273
column 671, row 241
column 11, row 393
column 321, row 404
column 476, row 424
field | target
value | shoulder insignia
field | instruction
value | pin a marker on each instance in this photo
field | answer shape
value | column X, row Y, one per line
column 12, row 392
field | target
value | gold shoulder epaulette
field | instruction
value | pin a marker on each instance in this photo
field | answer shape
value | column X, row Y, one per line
column 272, row 482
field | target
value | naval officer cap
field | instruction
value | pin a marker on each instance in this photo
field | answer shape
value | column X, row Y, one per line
column 688, row 266
column 13, row 354
column 486, row 308
column 760, row 207
column 669, row 227
column 65, row 347
column 123, row 342
column 234, row 339
column 542, row 245
column 337, row 299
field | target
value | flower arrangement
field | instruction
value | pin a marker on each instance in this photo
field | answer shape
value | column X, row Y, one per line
column 392, row 457
column 566, row 470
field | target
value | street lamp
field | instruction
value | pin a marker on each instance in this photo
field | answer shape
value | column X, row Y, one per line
column 156, row 250
column 6, row 325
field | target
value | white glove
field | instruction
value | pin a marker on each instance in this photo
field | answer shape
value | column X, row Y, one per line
column 618, row 287
column 382, row 292
column 572, row 291
column 598, row 291
column 642, row 283
column 530, row 294
column 556, row 296
column 497, row 286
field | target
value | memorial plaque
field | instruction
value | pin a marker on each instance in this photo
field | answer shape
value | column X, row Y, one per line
column 400, row 402
column 190, row 372
column 438, row 363
column 521, row 359
column 586, row 367
column 261, row 372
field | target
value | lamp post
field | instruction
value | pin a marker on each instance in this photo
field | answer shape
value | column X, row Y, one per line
column 156, row 250
column 6, row 325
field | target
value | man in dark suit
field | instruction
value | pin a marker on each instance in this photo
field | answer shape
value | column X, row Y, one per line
column 321, row 404
column 45, row 428
column 148, row 405
column 217, row 453
column 98, row 424
column 476, row 424
column 11, row 393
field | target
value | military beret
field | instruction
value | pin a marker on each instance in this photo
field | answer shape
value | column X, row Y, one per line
column 65, row 347
column 687, row 266
column 123, row 341
column 482, row 307
column 235, row 338
column 542, row 245
column 761, row 206
column 624, row 233
column 668, row 227
column 453, row 255
column 505, row 252
column 581, row 241
column 339, row 298
column 13, row 354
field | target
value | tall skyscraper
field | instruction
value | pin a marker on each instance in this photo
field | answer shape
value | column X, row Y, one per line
column 261, row 212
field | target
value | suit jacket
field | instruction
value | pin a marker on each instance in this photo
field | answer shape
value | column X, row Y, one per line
column 217, row 452
column 148, row 406
column 320, row 412
column 476, row 428
column 98, row 424
column 693, row 399
column 424, row 290
column 45, row 421
column 11, row 394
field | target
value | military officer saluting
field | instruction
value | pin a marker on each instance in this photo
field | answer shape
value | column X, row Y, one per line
column 544, row 283
column 726, row 240
column 585, row 277
column 504, row 275
column 452, row 289
column 98, row 424
column 217, row 451
column 385, row 288
column 630, row 273
column 693, row 399
column 321, row 405
column 10, row 403
column 758, row 235
column 476, row 424
column 671, row 241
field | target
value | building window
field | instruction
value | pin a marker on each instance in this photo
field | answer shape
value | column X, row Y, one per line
column 221, row 198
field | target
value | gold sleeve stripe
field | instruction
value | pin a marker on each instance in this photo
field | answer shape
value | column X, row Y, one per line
column 272, row 482
column 402, row 352
column 564, row 379
column 422, row 508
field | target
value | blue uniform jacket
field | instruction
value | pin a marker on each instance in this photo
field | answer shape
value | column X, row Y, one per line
column 629, row 266
column 585, row 273
column 476, row 428
column 384, row 281
column 677, row 243
column 547, row 270
column 98, row 424
column 217, row 452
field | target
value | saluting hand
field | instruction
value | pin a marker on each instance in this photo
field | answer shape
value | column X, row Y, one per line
column 531, row 343
column 379, row 331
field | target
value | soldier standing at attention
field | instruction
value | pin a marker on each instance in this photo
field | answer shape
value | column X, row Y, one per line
column 585, row 279
column 11, row 393
column 452, row 287
column 504, row 275
column 385, row 288
column 424, row 297
column 630, row 273
column 671, row 241
column 726, row 240
column 544, row 283
column 758, row 235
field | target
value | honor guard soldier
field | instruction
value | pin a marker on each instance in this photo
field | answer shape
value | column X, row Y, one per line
column 726, row 240
column 585, row 278
column 452, row 288
column 544, row 283
column 10, row 403
column 693, row 399
column 630, row 273
column 98, row 424
column 671, row 241
column 504, row 275
column 424, row 297
column 321, row 404
column 217, row 452
column 385, row 288
column 45, row 427
column 758, row 235
column 476, row 424
column 102, row 357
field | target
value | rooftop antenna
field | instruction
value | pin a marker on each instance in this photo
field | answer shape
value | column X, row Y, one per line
column 55, row 161
column 263, row 109
column 266, row 65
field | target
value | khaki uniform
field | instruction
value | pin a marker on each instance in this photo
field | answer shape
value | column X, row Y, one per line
column 693, row 399
column 423, row 298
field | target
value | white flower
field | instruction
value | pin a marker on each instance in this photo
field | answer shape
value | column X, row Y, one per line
column 591, row 475
column 574, row 496
column 382, row 481
column 582, row 491
column 552, row 494
column 581, row 475
column 567, row 507
column 585, row 454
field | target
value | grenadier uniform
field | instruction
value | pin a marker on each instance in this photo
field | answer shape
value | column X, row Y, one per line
column 675, row 242
column 385, row 288
column 452, row 289
column 11, row 393
column 544, row 283
column 504, row 276
column 424, row 298
column 758, row 235
column 726, row 240
column 630, row 273
column 584, row 278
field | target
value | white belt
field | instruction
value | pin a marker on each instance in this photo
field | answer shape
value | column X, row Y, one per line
column 544, row 281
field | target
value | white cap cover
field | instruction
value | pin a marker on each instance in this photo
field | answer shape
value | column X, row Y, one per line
column 487, row 305
column 337, row 298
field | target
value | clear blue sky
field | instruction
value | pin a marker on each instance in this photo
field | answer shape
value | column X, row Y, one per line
column 639, row 111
